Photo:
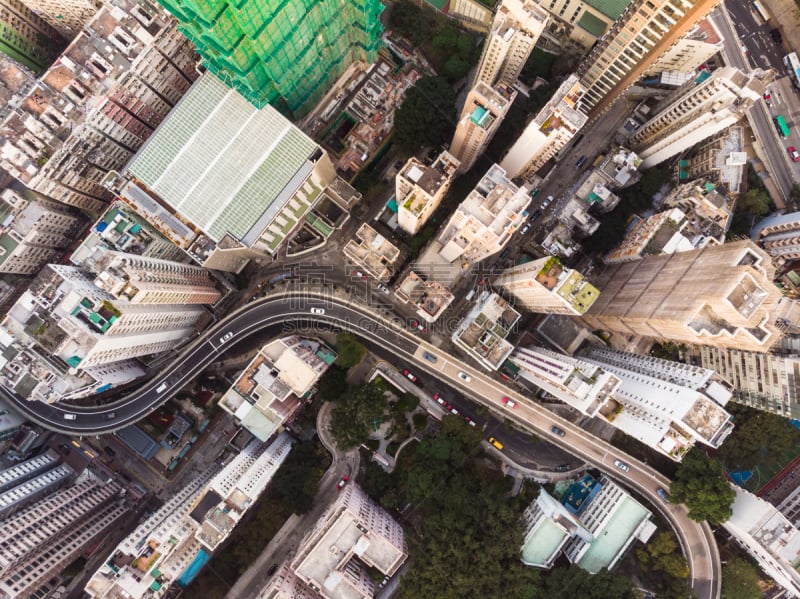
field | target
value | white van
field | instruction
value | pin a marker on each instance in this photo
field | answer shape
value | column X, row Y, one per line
column 70, row 416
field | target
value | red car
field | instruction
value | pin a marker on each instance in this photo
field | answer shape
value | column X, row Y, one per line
column 768, row 98
column 507, row 401
column 411, row 377
column 340, row 485
column 793, row 153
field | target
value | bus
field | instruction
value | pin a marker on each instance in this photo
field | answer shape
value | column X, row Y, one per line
column 760, row 11
column 781, row 126
column 793, row 64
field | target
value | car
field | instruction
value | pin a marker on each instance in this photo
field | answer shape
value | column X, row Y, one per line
column 340, row 485
column 109, row 451
column 663, row 494
column 272, row 569
column 383, row 288
column 359, row 274
column 795, row 155
column 563, row 467
column 768, row 98
column 317, row 311
column 415, row 324
column 525, row 229
column 557, row 431
column 454, row 411
column 429, row 357
column 226, row 336
column 464, row 377
column 505, row 253
column 509, row 403
column 470, row 421
column 440, row 400
column 776, row 36
column 622, row 465
column 581, row 162
column 411, row 377
column 70, row 416
column 496, row 443
column 547, row 202
column 111, row 415
column 534, row 216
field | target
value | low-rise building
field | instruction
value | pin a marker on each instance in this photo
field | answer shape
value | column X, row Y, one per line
column 373, row 253
column 273, row 385
column 593, row 525
column 430, row 298
column 482, row 332
column 419, row 189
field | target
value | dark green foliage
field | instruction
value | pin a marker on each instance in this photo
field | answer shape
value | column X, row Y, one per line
column 754, row 203
column 350, row 351
column 357, row 415
column 758, row 436
column 297, row 480
column 700, row 484
column 667, row 350
column 427, row 116
column 420, row 421
column 413, row 22
column 333, row 384
column 740, row 580
column 407, row 403
column 571, row 582
column 663, row 554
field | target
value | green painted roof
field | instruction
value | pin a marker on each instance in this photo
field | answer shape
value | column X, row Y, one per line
column 611, row 8
column 592, row 24
column 609, row 540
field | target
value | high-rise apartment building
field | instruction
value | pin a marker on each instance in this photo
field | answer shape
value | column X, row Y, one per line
column 701, row 108
column 668, row 406
column 32, row 231
column 720, row 159
column 364, row 536
column 690, row 51
column 287, row 53
column 419, row 189
column 482, row 332
column 94, row 107
column 546, row 285
column 779, row 235
column 516, row 28
column 27, row 38
column 66, row 16
column 484, row 110
column 548, row 132
column 721, row 295
column 644, row 33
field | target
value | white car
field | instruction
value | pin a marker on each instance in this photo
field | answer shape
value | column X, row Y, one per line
column 226, row 336
column 383, row 288
column 317, row 311
column 546, row 203
column 622, row 465
column 464, row 377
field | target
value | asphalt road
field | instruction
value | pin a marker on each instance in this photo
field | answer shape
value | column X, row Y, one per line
column 340, row 313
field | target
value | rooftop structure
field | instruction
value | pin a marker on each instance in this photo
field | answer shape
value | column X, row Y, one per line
column 720, row 159
column 584, row 21
column 515, row 30
column 248, row 193
column 593, row 525
column 484, row 222
column 595, row 191
column 482, row 332
column 430, row 298
column 175, row 540
column 305, row 49
column 272, row 386
column 32, row 231
column 546, row 285
column 94, row 107
column 483, row 112
column 768, row 536
column 354, row 534
column 419, row 189
column 721, row 295
column 371, row 251
column 620, row 168
column 642, row 35
column 698, row 110
column 285, row 584
column 551, row 130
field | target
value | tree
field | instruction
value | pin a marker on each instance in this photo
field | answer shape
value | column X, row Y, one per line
column 427, row 116
column 412, row 22
column 567, row 583
column 740, row 580
column 350, row 351
column 357, row 414
column 407, row 403
column 663, row 554
column 297, row 480
column 756, row 202
column 333, row 384
column 700, row 484
column 758, row 436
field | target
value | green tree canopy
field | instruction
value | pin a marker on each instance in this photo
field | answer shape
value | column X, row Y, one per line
column 297, row 480
column 350, row 351
column 756, row 202
column 572, row 582
column 333, row 384
column 412, row 21
column 740, row 580
column 758, row 436
column 662, row 553
column 700, row 484
column 427, row 116
column 357, row 414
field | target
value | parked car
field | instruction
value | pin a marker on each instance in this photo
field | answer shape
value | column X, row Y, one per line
column 768, row 98
column 383, row 288
column 622, row 465
column 581, row 162
column 563, row 468
column 411, row 377
column 793, row 153
column 340, row 485
column 534, row 216
column 415, row 324
column 464, row 377
column 509, row 403
column 359, row 274
column 525, row 229
column 547, row 202
column 272, row 569
column 557, row 431
column 454, row 411
column 470, row 421
column 496, row 443
column 440, row 400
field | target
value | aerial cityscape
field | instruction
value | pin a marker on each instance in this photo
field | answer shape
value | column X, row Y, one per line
column 343, row 299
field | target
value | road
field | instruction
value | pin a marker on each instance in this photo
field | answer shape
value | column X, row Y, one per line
column 333, row 311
